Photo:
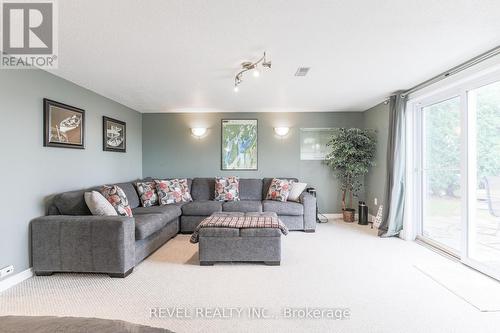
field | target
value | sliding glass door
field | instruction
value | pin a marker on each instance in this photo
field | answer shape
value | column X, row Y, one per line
column 484, row 177
column 441, row 192
column 457, row 171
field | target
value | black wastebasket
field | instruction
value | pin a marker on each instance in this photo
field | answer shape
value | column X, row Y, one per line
column 362, row 213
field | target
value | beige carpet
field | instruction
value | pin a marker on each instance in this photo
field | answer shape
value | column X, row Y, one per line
column 477, row 289
column 340, row 266
column 37, row 324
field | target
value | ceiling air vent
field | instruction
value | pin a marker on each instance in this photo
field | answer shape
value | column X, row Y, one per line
column 302, row 71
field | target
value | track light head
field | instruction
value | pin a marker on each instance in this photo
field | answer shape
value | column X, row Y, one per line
column 253, row 66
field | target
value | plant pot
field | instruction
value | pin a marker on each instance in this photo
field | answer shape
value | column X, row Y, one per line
column 348, row 215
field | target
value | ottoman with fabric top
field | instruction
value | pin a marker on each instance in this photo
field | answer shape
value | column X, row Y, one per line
column 240, row 237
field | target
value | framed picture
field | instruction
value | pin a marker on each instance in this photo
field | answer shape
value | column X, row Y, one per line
column 64, row 125
column 114, row 136
column 313, row 143
column 239, row 144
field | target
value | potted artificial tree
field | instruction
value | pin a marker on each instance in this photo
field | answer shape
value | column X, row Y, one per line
column 352, row 154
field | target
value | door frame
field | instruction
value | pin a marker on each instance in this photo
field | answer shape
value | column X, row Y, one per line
column 419, row 173
column 468, row 160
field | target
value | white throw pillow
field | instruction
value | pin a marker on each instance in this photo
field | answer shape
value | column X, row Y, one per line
column 98, row 204
column 296, row 191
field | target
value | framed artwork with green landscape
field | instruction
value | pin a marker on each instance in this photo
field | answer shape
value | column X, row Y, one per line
column 239, row 144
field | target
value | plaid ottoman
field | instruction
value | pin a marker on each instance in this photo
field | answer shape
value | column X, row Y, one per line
column 223, row 244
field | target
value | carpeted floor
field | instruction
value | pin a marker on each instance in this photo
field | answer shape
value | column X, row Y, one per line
column 479, row 290
column 340, row 266
column 38, row 324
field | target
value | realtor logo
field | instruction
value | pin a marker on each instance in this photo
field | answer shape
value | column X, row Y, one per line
column 29, row 34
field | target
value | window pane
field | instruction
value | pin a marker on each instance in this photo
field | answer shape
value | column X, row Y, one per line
column 441, row 173
column 484, row 238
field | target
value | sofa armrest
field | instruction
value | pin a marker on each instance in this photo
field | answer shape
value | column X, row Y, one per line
column 100, row 244
column 309, row 202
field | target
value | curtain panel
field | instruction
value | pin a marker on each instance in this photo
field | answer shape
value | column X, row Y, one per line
column 392, row 222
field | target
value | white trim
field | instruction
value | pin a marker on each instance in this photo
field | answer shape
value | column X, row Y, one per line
column 467, row 171
column 409, row 231
column 460, row 79
column 333, row 216
column 11, row 281
column 439, row 246
column 339, row 216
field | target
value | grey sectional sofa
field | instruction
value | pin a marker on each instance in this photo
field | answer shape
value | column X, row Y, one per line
column 70, row 239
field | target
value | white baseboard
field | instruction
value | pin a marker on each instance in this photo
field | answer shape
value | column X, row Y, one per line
column 332, row 216
column 337, row 216
column 11, row 281
column 371, row 218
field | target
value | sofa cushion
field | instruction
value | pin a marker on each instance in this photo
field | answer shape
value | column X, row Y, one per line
column 279, row 189
column 148, row 224
column 296, row 191
column 171, row 210
column 173, row 191
column 203, row 189
column 242, row 206
column 250, row 189
column 283, row 208
column 227, row 188
column 147, row 193
column 72, row 203
column 98, row 205
column 201, row 208
column 189, row 223
column 131, row 193
column 116, row 196
column 151, row 179
column 266, row 183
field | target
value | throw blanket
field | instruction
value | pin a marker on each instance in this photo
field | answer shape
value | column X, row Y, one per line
column 239, row 222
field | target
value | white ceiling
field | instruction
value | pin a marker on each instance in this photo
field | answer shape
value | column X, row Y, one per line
column 181, row 56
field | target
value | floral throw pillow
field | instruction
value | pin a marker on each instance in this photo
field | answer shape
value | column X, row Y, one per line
column 227, row 188
column 279, row 189
column 173, row 191
column 147, row 193
column 117, row 198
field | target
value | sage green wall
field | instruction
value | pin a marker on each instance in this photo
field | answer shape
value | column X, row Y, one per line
column 31, row 172
column 157, row 145
column 169, row 150
column 378, row 119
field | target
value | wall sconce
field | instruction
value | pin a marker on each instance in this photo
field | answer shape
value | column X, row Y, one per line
column 281, row 131
column 198, row 132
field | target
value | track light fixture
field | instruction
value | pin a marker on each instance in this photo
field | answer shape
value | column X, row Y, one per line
column 251, row 66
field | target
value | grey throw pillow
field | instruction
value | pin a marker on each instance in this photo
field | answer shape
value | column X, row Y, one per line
column 98, row 205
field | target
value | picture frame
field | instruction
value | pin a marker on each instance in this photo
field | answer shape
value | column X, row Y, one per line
column 313, row 143
column 239, row 144
column 63, row 125
column 114, row 135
